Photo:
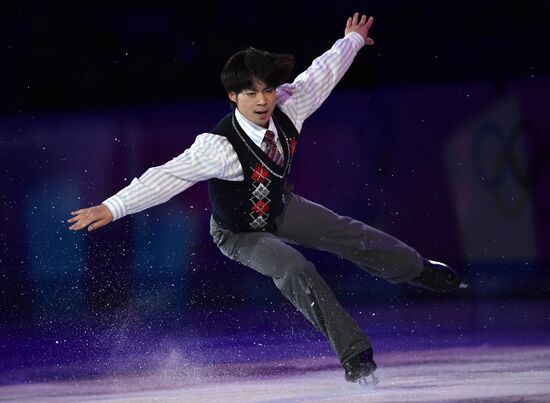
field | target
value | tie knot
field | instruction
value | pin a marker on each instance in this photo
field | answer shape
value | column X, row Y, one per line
column 269, row 136
column 270, row 148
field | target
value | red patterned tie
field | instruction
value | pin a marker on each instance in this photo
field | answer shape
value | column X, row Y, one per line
column 270, row 148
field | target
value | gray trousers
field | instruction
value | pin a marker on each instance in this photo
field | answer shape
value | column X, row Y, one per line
column 309, row 224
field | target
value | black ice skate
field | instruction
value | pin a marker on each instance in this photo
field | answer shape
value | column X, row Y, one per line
column 360, row 368
column 437, row 276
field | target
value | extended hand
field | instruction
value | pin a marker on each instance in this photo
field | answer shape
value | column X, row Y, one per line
column 361, row 26
column 91, row 217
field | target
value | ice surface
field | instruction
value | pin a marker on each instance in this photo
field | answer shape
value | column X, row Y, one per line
column 466, row 374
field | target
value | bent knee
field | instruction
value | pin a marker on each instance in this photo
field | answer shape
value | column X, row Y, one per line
column 296, row 273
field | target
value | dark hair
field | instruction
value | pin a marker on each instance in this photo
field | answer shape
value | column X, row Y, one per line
column 246, row 65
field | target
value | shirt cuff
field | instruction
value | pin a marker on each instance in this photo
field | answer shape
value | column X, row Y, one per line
column 116, row 206
column 356, row 39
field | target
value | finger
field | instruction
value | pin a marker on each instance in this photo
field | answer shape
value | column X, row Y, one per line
column 81, row 223
column 363, row 20
column 76, row 221
column 76, row 226
column 369, row 41
column 97, row 224
column 101, row 223
column 355, row 19
column 369, row 22
column 348, row 23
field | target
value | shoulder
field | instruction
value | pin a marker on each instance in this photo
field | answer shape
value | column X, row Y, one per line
column 224, row 125
column 284, row 93
column 213, row 148
column 288, row 100
column 210, row 140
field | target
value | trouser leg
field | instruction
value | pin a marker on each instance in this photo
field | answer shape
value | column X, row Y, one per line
column 298, row 281
column 310, row 224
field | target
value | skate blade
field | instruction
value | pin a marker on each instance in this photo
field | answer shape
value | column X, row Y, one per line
column 369, row 381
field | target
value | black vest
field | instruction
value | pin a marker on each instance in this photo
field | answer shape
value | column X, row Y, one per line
column 252, row 204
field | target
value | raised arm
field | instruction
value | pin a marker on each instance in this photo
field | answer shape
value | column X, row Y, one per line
column 302, row 97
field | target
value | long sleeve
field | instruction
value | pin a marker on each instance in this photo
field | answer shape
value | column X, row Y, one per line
column 302, row 97
column 210, row 156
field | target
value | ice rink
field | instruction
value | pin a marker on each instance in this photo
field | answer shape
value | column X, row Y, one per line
column 476, row 374
column 449, row 351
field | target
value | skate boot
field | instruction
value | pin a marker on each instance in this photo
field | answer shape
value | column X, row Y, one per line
column 360, row 368
column 437, row 276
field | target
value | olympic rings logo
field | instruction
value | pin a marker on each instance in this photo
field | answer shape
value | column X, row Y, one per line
column 513, row 160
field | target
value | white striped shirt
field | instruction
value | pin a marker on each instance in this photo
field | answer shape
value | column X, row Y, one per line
column 212, row 156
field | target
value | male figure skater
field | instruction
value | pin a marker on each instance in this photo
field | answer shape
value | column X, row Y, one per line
column 246, row 160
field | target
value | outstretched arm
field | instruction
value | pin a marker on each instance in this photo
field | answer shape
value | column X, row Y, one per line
column 210, row 156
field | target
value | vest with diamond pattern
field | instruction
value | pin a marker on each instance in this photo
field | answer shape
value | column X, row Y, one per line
column 254, row 203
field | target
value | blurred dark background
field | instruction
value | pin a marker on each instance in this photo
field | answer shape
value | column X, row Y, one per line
column 438, row 134
column 60, row 56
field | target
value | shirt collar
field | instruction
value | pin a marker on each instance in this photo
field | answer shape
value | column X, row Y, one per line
column 255, row 132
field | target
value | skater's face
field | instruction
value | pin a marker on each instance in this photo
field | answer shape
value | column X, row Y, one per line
column 256, row 103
